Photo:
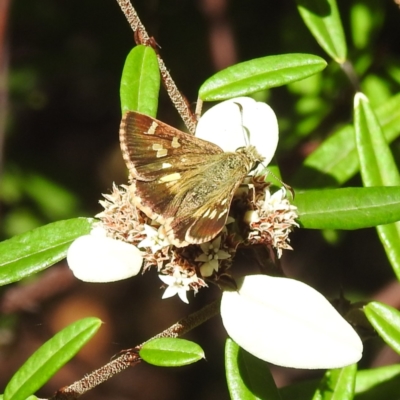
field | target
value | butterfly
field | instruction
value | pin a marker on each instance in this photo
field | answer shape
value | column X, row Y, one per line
column 182, row 182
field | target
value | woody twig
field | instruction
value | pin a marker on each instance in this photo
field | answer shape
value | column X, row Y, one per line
column 129, row 358
column 142, row 37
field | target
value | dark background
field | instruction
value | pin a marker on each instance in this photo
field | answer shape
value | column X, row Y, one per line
column 61, row 63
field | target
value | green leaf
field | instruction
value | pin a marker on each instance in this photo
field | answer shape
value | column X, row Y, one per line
column 386, row 321
column 323, row 20
column 36, row 250
column 367, row 18
column 371, row 384
column 376, row 161
column 377, row 167
column 171, row 352
column 258, row 74
column 28, row 398
column 140, row 81
column 248, row 377
column 348, row 208
column 337, row 384
column 336, row 160
column 378, row 383
column 49, row 358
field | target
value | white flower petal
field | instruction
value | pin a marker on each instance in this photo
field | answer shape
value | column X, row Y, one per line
column 288, row 323
column 202, row 257
column 183, row 296
column 169, row 292
column 223, row 125
column 206, row 270
column 222, row 255
column 95, row 258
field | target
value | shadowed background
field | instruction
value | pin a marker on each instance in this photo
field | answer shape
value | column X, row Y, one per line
column 60, row 66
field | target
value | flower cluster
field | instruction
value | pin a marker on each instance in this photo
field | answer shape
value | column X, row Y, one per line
column 278, row 320
column 272, row 220
column 185, row 269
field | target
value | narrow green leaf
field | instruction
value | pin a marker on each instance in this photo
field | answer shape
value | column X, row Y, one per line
column 248, row 377
column 337, row 384
column 36, row 250
column 376, row 377
column 171, row 352
column 28, row 398
column 49, row 358
column 323, row 20
column 336, row 160
column 348, row 208
column 258, row 74
column 377, row 167
column 371, row 384
column 376, row 161
column 140, row 81
column 386, row 321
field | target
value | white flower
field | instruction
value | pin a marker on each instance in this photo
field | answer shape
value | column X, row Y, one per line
column 288, row 323
column 98, row 258
column 211, row 254
column 177, row 284
column 274, row 202
column 155, row 240
column 239, row 122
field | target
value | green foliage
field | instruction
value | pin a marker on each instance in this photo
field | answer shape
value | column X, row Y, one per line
column 317, row 107
column 248, row 377
column 386, row 321
column 171, row 352
column 140, row 81
column 348, row 208
column 259, row 74
column 324, row 22
column 36, row 250
column 49, row 358
column 337, row 384
column 335, row 161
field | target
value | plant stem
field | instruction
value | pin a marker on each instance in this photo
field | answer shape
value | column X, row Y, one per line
column 130, row 357
column 142, row 37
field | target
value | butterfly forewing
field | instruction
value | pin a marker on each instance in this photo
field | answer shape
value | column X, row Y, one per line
column 182, row 182
column 153, row 149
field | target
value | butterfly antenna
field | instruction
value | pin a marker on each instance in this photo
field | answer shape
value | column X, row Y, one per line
column 285, row 185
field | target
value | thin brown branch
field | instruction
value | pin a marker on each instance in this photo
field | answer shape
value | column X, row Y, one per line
column 142, row 37
column 190, row 322
column 98, row 376
column 129, row 358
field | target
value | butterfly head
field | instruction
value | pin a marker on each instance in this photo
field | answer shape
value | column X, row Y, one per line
column 252, row 155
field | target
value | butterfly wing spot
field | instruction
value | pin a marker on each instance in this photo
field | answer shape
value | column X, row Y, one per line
column 169, row 178
column 223, row 202
column 161, row 152
column 206, row 213
column 175, row 143
column 213, row 214
column 152, row 129
column 222, row 213
column 166, row 165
